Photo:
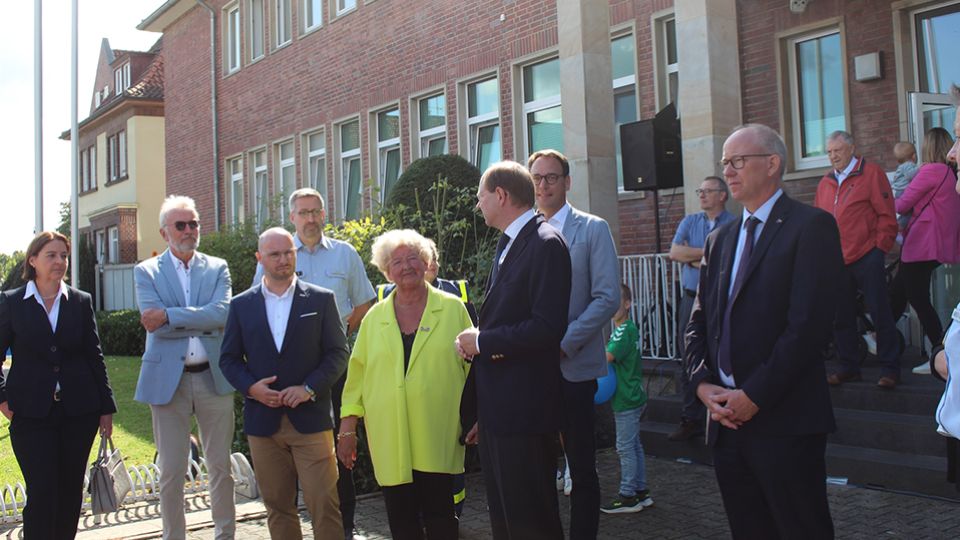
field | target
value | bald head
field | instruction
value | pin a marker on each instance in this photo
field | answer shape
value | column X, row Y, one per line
column 278, row 256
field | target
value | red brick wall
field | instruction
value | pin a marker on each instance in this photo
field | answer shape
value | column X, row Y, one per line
column 638, row 231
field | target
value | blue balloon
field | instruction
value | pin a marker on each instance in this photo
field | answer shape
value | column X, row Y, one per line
column 606, row 386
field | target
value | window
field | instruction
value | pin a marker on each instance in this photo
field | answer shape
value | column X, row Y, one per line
column 817, row 90
column 668, row 78
column 937, row 40
column 232, row 52
column 84, row 167
column 113, row 158
column 235, row 170
column 542, row 116
column 622, row 51
column 286, row 173
column 92, row 152
column 432, row 124
column 350, row 186
column 255, row 29
column 122, row 153
column 315, row 163
column 113, row 246
column 261, row 210
column 388, row 150
column 121, row 78
column 312, row 15
column 483, row 122
column 100, row 245
column 282, row 18
column 344, row 6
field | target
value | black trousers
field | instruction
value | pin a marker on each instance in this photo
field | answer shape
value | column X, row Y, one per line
column 693, row 410
column 773, row 487
column 580, row 448
column 345, row 487
column 52, row 453
column 912, row 284
column 423, row 504
column 520, row 472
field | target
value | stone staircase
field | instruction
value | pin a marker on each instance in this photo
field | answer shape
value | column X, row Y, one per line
column 884, row 439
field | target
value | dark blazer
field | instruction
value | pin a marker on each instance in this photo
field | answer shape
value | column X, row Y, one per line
column 314, row 352
column 522, row 321
column 781, row 321
column 41, row 357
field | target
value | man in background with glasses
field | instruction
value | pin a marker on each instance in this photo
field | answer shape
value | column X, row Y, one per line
column 183, row 296
column 594, row 298
column 858, row 195
column 687, row 249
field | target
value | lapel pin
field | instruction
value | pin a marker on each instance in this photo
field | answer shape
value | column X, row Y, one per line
column 779, row 220
column 424, row 328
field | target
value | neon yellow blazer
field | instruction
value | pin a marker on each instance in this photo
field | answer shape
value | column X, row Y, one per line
column 413, row 420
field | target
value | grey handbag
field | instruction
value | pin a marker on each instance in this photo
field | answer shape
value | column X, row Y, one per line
column 109, row 479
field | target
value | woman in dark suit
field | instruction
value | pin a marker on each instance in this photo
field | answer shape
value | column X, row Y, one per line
column 56, row 394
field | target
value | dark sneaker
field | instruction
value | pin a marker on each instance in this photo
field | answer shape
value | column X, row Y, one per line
column 645, row 498
column 686, row 431
column 622, row 505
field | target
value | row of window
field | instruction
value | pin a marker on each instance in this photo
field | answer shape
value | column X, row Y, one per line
column 116, row 162
column 281, row 13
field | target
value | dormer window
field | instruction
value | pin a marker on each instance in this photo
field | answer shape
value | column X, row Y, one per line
column 121, row 78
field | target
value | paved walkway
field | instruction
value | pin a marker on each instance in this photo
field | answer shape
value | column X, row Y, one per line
column 687, row 506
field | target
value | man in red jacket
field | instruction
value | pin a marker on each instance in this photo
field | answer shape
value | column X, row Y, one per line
column 858, row 195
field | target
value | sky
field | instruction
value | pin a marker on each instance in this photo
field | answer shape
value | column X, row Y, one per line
column 98, row 19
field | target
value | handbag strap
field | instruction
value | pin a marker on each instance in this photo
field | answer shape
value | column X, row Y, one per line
column 106, row 447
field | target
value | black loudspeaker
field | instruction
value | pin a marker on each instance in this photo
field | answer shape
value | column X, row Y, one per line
column 651, row 154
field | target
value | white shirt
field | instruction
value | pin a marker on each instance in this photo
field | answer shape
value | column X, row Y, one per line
column 196, row 354
column 842, row 175
column 560, row 218
column 54, row 314
column 278, row 310
column 513, row 230
column 762, row 214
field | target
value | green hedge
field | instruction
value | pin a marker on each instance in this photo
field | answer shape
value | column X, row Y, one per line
column 121, row 333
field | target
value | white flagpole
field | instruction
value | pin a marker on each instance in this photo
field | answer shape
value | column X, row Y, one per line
column 74, row 146
column 37, row 117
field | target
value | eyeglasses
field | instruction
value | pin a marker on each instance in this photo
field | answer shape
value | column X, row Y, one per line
column 182, row 225
column 700, row 192
column 550, row 178
column 315, row 213
column 737, row 162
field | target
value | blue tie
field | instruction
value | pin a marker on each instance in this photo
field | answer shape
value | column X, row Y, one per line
column 724, row 355
column 501, row 245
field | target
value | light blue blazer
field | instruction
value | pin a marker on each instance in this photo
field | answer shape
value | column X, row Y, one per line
column 594, row 295
column 159, row 287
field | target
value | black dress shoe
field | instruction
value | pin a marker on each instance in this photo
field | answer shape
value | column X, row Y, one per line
column 686, row 431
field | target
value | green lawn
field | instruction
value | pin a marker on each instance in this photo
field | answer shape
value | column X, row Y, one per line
column 132, row 431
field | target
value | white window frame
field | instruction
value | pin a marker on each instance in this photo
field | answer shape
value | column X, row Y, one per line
column 312, row 156
column 100, row 246
column 280, row 166
column 121, row 78
column 343, row 160
column 537, row 104
column 259, row 186
column 342, row 7
column 663, row 69
column 475, row 123
column 282, row 19
column 306, row 27
column 231, row 38
column 622, row 85
column 384, row 148
column 425, row 136
column 122, row 153
column 234, row 170
column 84, row 171
column 796, row 150
column 112, row 163
column 113, row 245
column 92, row 153
column 254, row 30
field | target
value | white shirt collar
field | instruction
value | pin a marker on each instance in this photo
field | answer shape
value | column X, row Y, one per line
column 560, row 218
column 842, row 175
column 762, row 213
column 286, row 294
column 514, row 228
column 33, row 291
column 178, row 264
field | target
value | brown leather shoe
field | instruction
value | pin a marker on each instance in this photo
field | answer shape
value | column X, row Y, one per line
column 887, row 383
column 685, row 431
column 838, row 378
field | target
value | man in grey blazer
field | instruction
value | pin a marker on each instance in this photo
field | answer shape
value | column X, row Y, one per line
column 594, row 298
column 183, row 296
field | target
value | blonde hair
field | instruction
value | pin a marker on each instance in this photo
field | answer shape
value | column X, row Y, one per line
column 903, row 151
column 388, row 242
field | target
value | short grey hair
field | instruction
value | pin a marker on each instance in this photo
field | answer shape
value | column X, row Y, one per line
column 842, row 135
column 388, row 242
column 770, row 141
column 176, row 202
column 272, row 231
column 720, row 182
column 305, row 192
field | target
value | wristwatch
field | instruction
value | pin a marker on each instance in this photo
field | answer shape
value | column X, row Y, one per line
column 313, row 395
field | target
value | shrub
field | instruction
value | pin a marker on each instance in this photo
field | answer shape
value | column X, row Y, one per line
column 423, row 173
column 121, row 333
column 237, row 245
column 360, row 234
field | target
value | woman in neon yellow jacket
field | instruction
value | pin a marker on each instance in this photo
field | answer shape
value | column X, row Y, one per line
column 405, row 379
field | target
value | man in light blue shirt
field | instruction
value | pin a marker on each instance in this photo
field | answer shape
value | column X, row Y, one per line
column 687, row 248
column 335, row 265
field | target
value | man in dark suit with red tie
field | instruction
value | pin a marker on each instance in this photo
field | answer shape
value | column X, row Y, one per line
column 516, row 358
column 763, row 314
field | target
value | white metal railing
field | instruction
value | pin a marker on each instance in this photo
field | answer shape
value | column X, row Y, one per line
column 145, row 482
column 654, row 282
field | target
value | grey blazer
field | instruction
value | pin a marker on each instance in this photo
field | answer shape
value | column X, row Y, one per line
column 594, row 295
column 159, row 287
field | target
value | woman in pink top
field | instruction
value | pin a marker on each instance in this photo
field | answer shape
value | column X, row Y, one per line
column 932, row 237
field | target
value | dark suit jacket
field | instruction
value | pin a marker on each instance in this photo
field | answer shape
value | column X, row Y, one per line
column 781, row 321
column 314, row 352
column 41, row 357
column 522, row 321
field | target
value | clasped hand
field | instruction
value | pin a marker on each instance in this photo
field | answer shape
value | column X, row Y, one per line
column 466, row 343
column 290, row 396
column 732, row 408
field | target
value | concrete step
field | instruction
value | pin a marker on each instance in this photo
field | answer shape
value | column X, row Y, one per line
column 891, row 470
column 655, row 443
column 907, row 433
